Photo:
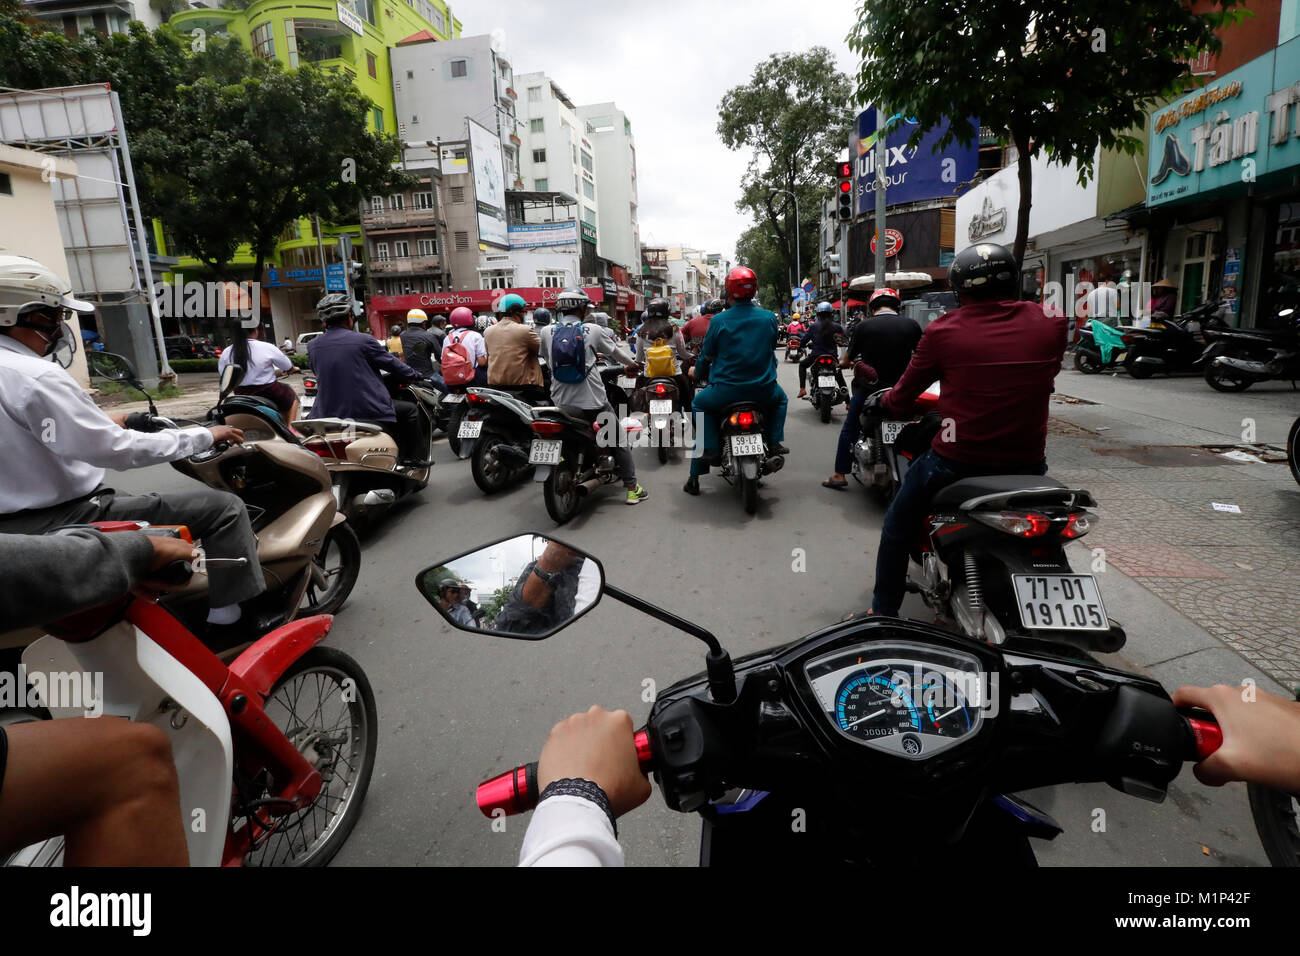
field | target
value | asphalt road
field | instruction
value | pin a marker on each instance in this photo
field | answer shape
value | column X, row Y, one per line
column 455, row 708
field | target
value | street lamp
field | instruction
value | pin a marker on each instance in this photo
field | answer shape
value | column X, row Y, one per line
column 798, row 268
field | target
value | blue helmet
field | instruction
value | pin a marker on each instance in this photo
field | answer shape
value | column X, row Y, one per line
column 509, row 302
column 541, row 317
column 825, row 308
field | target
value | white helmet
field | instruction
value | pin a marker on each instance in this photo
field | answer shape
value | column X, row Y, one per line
column 416, row 315
column 25, row 283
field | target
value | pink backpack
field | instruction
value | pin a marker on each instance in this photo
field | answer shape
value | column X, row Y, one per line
column 457, row 369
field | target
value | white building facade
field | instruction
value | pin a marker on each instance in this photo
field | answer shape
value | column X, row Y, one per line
column 610, row 131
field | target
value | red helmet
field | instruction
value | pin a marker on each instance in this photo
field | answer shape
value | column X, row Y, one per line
column 461, row 318
column 742, row 283
column 884, row 298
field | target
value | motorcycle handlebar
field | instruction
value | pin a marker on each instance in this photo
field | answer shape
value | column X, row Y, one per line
column 516, row 791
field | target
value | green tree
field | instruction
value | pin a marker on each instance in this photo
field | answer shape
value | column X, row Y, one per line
column 1061, row 77
column 794, row 117
column 758, row 249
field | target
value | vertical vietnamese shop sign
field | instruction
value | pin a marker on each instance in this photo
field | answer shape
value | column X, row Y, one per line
column 489, row 185
column 1241, row 127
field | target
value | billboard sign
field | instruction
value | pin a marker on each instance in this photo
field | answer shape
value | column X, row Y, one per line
column 489, row 185
column 544, row 234
column 913, row 173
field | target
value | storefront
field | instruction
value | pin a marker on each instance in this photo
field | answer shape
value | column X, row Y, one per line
column 385, row 310
column 916, row 240
column 1224, row 189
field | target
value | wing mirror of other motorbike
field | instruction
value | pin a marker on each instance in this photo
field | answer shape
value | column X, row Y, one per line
column 231, row 376
column 525, row 587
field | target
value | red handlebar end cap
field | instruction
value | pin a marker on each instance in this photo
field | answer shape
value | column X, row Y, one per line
column 1207, row 735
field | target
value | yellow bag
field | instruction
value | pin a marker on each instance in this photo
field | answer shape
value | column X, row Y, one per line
column 660, row 360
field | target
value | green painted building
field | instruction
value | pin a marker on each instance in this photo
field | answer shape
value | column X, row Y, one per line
column 351, row 36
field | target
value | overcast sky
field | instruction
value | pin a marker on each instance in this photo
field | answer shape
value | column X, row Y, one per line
column 667, row 65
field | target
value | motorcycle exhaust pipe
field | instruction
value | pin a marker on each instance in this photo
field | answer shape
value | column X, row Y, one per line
column 504, row 450
column 377, row 497
column 588, row 486
column 774, row 464
column 1242, row 365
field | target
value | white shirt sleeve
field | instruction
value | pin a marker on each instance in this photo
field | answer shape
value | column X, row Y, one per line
column 570, row 831
column 278, row 358
column 588, row 586
column 78, row 429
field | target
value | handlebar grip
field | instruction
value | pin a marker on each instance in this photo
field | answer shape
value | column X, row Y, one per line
column 1204, row 735
column 141, row 422
column 516, row 791
column 174, row 572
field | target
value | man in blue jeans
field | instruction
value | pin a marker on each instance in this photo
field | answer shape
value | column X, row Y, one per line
column 996, row 359
column 738, row 358
column 879, row 351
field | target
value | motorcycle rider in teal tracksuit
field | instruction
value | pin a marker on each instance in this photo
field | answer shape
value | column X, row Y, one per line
column 738, row 358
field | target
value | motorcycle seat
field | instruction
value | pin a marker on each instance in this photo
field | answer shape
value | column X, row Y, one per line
column 960, row 492
column 264, row 411
column 322, row 426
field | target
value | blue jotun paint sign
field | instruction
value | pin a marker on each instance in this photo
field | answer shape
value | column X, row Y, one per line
column 913, row 173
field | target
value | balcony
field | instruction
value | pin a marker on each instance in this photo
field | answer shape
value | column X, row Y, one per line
column 411, row 265
column 398, row 218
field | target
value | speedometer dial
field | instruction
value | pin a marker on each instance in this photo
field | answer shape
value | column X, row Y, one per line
column 912, row 706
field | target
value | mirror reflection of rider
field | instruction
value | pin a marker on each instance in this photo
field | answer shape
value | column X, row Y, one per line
column 549, row 592
column 347, row 365
column 453, row 598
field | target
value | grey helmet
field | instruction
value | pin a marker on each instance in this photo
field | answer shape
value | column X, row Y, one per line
column 541, row 317
column 334, row 307
column 572, row 300
column 601, row 319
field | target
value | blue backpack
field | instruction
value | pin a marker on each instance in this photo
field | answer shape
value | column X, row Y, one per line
column 569, row 354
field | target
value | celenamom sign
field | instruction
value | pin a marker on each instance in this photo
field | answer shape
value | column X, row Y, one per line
column 1235, row 130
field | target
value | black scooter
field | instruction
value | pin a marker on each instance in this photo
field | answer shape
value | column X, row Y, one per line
column 880, row 742
column 826, row 391
column 496, row 435
column 1247, row 356
column 1173, row 344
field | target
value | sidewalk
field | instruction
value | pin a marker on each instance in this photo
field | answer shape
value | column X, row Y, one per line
column 199, row 395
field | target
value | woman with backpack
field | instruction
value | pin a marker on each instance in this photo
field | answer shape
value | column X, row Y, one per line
column 464, row 353
column 663, row 350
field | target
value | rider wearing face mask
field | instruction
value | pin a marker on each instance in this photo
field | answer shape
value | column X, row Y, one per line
column 58, row 443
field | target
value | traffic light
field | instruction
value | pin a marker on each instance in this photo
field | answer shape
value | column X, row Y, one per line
column 833, row 263
column 844, row 195
column 844, row 287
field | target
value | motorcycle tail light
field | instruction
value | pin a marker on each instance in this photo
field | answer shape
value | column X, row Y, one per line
column 1080, row 523
column 548, row 428
column 660, row 390
column 475, row 399
column 335, row 448
column 742, row 419
column 309, row 383
column 1022, row 524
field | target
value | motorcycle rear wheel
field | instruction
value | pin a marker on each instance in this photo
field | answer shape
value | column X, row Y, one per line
column 749, row 494
column 347, row 687
column 491, row 474
column 340, row 560
column 825, row 410
column 560, row 491
column 1274, row 813
column 1089, row 363
column 1293, row 450
column 1136, row 369
column 453, row 428
column 1224, row 379
column 663, row 453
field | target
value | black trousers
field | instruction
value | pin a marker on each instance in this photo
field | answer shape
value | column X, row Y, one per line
column 409, row 431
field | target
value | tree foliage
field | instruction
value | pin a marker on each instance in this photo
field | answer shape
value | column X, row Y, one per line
column 758, row 249
column 794, row 117
column 229, row 149
column 1060, row 77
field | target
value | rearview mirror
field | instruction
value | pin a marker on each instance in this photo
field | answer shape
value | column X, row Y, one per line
column 231, row 376
column 527, row 587
column 110, row 366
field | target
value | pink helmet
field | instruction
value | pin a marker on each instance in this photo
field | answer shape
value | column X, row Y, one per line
column 462, row 318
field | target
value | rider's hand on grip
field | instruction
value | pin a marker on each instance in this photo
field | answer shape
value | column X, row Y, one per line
column 222, row 433
column 597, row 746
column 1261, row 736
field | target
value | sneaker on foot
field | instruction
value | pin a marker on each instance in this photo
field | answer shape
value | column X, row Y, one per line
column 780, row 449
column 636, row 494
column 692, row 486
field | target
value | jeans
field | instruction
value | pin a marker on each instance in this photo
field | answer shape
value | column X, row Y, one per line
column 713, row 399
column 927, row 476
column 849, row 432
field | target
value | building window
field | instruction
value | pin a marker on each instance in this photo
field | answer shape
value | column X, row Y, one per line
column 432, row 285
column 263, row 37
column 498, row 279
column 462, row 241
column 410, row 74
column 365, row 9
column 381, row 251
column 534, row 94
column 586, row 162
column 588, row 190
column 424, row 200
column 371, row 66
column 459, row 153
column 376, row 204
column 401, row 249
column 574, row 147
column 459, row 68
column 536, row 126
column 588, row 216
column 6, row 184
column 539, row 155
column 457, row 194
column 541, row 185
column 427, row 247
column 396, row 202
column 377, row 115
column 551, row 280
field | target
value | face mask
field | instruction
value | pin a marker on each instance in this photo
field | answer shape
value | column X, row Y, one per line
column 57, row 344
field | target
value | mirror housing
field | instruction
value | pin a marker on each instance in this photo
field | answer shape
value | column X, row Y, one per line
column 526, row 587
column 110, row 365
column 231, row 376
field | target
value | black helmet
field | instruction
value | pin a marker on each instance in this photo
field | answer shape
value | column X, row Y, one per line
column 658, row 307
column 713, row 307
column 395, row 330
column 541, row 317
column 985, row 270
column 334, row 308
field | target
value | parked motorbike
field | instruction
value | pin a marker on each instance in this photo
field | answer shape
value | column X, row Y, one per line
column 894, row 743
column 496, row 435
column 1247, row 356
column 274, row 751
column 795, row 348
column 826, row 392
column 887, row 447
column 362, row 458
column 1173, row 344
column 1088, row 354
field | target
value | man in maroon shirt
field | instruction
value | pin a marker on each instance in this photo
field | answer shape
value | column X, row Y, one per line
column 996, row 360
column 694, row 330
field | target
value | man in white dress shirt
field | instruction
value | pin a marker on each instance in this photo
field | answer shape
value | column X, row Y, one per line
column 57, row 443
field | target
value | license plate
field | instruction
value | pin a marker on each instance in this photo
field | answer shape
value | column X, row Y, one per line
column 451, row 398
column 889, row 431
column 826, row 381
column 661, row 406
column 747, row 444
column 1060, row 602
column 1119, row 356
column 469, row 429
column 544, row 452
column 625, row 383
